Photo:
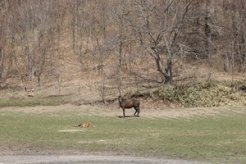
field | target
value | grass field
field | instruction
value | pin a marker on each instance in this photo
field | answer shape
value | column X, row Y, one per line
column 218, row 138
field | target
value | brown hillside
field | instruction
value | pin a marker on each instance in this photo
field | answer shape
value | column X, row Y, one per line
column 62, row 48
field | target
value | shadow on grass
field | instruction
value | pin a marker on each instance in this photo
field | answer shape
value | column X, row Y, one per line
column 128, row 116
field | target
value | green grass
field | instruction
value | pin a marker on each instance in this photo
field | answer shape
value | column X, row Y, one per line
column 216, row 139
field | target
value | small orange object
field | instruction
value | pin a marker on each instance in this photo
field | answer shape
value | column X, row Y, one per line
column 85, row 125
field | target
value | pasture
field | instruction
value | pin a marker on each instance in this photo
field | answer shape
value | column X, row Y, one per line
column 193, row 134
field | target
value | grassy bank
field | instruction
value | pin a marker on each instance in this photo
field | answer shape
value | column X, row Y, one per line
column 196, row 94
column 34, row 101
column 217, row 139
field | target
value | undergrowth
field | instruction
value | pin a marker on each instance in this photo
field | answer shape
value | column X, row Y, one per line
column 198, row 94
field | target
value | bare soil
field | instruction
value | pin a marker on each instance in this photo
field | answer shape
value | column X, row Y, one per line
column 88, row 159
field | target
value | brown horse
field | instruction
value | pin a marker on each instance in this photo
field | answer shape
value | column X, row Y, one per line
column 129, row 103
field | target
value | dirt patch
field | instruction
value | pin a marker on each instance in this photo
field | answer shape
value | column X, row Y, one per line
column 89, row 159
column 71, row 130
column 98, row 141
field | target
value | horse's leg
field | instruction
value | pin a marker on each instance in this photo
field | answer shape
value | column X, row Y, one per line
column 124, row 115
column 136, row 114
column 138, row 111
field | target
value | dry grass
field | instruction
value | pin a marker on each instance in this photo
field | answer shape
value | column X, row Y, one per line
column 147, row 111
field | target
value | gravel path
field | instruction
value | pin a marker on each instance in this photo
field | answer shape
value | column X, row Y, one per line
column 86, row 159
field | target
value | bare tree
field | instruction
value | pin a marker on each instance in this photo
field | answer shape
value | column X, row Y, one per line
column 157, row 26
